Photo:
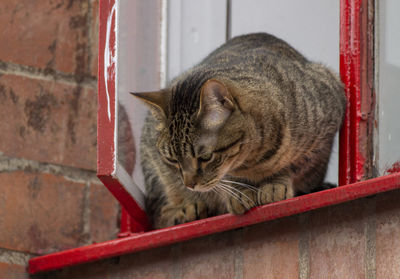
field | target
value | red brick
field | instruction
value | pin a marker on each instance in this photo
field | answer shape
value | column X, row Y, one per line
column 104, row 213
column 13, row 271
column 48, row 34
column 43, row 212
column 153, row 264
column 270, row 250
column 48, row 121
column 388, row 235
column 209, row 257
column 94, row 37
column 337, row 241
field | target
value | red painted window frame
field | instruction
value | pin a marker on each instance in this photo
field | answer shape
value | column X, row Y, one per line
column 356, row 67
column 133, row 217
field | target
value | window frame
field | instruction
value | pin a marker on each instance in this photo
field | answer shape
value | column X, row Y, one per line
column 355, row 154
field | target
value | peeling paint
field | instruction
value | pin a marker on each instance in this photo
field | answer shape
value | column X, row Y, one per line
column 395, row 168
column 110, row 56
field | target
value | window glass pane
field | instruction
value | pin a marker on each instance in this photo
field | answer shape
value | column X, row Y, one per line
column 311, row 26
column 388, row 150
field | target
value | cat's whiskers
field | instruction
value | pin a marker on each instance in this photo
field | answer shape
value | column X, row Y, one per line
column 250, row 187
column 223, row 191
column 239, row 192
column 228, row 190
column 239, row 183
column 215, row 190
column 230, row 193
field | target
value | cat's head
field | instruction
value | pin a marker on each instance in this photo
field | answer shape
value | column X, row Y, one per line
column 201, row 132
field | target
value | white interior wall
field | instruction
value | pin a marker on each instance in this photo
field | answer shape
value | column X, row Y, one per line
column 195, row 28
column 311, row 26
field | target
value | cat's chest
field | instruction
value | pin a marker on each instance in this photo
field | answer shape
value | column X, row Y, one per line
column 256, row 172
column 260, row 165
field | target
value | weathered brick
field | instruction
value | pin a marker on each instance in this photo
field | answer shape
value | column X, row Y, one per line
column 337, row 241
column 48, row 34
column 13, row 271
column 388, row 235
column 209, row 257
column 153, row 264
column 48, row 121
column 44, row 212
column 270, row 250
column 156, row 263
column 104, row 213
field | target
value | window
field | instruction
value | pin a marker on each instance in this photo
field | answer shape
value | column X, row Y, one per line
column 129, row 58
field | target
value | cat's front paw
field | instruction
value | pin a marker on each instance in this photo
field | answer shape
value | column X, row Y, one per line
column 174, row 215
column 273, row 192
column 241, row 201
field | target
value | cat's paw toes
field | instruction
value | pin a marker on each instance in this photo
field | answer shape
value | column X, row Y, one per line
column 175, row 215
column 241, row 201
column 193, row 211
column 272, row 193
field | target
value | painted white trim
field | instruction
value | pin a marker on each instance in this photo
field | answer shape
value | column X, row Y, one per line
column 163, row 43
column 117, row 4
column 126, row 180
column 109, row 60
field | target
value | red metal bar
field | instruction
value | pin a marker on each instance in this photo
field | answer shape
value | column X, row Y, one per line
column 137, row 224
column 212, row 225
column 356, row 60
column 125, row 225
column 350, row 73
column 345, row 73
column 106, row 88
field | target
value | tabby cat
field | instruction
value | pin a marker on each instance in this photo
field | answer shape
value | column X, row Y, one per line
column 252, row 124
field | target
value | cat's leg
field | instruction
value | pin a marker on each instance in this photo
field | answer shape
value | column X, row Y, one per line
column 278, row 188
column 274, row 189
column 309, row 173
column 240, row 200
column 183, row 205
column 187, row 211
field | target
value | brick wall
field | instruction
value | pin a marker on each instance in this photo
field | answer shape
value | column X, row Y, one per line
column 50, row 198
column 359, row 239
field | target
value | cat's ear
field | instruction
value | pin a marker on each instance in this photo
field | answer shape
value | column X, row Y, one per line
column 157, row 101
column 216, row 104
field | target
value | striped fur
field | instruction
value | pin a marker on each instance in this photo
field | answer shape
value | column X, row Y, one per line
column 253, row 123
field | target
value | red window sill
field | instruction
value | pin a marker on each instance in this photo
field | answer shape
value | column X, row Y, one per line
column 147, row 240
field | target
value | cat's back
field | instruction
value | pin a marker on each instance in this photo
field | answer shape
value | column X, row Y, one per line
column 264, row 69
column 246, row 49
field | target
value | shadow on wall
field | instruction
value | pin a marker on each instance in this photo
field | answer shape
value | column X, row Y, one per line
column 126, row 141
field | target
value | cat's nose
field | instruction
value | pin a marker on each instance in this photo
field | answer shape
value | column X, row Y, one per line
column 188, row 180
column 189, row 184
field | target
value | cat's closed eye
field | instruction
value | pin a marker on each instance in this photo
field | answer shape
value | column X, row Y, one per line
column 171, row 161
column 206, row 157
